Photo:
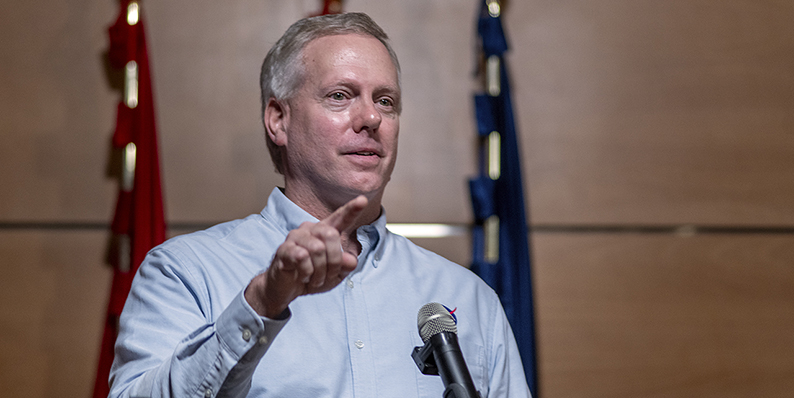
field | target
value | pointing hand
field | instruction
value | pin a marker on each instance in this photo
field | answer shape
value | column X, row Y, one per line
column 310, row 260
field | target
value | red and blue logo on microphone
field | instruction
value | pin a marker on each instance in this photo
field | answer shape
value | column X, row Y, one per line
column 452, row 312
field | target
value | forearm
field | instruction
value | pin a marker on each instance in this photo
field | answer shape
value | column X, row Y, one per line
column 218, row 357
column 176, row 341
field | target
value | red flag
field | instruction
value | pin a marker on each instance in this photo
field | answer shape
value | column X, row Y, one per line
column 139, row 221
column 330, row 7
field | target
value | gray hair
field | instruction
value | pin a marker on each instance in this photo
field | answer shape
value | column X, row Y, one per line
column 283, row 68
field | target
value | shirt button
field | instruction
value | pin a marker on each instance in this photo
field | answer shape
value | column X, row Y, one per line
column 208, row 393
column 263, row 340
column 246, row 334
column 350, row 283
column 359, row 344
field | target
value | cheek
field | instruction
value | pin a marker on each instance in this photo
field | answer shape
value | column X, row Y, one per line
column 328, row 128
column 392, row 136
column 316, row 128
column 337, row 122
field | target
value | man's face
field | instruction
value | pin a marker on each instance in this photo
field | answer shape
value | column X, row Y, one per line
column 341, row 127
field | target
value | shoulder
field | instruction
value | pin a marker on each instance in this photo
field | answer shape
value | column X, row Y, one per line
column 231, row 238
column 239, row 247
column 405, row 246
column 226, row 232
column 441, row 272
column 209, row 267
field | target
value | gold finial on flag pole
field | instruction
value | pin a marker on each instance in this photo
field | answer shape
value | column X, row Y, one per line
column 493, row 79
column 494, row 9
column 131, row 85
column 133, row 13
column 491, row 231
column 494, row 155
column 128, row 167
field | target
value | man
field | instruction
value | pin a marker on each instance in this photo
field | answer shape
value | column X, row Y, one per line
column 312, row 297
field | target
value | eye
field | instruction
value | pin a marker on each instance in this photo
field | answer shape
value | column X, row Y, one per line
column 338, row 96
column 385, row 102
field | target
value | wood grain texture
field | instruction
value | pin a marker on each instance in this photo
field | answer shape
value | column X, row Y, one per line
column 656, row 112
column 53, row 296
column 665, row 316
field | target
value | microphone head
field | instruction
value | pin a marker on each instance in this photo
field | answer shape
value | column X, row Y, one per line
column 434, row 318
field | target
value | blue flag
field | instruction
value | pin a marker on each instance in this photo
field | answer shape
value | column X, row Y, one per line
column 503, row 197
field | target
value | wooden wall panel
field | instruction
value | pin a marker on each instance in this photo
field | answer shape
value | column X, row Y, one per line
column 57, row 111
column 53, row 295
column 623, row 315
column 656, row 112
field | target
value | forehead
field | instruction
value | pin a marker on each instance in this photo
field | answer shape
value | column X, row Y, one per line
column 347, row 52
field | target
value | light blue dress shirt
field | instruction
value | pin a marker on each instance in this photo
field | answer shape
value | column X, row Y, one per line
column 187, row 331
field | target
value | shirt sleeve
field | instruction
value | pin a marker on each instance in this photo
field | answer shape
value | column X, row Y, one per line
column 169, row 346
column 507, row 371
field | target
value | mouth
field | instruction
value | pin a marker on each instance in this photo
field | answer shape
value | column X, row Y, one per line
column 363, row 153
column 365, row 158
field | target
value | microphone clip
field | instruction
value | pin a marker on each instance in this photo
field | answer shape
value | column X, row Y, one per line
column 424, row 359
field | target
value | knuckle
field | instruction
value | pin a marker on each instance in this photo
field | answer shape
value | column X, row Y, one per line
column 297, row 254
column 315, row 246
column 283, row 252
column 328, row 233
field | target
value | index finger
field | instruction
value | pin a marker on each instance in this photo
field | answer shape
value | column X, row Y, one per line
column 344, row 217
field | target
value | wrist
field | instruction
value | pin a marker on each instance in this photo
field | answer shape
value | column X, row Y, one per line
column 256, row 296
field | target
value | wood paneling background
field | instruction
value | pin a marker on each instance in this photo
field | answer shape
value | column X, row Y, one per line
column 54, row 292
column 665, row 316
column 631, row 113
column 656, row 112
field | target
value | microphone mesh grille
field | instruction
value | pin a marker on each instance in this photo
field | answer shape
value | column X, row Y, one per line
column 432, row 319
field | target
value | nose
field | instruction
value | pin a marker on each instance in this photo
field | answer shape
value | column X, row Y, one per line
column 367, row 116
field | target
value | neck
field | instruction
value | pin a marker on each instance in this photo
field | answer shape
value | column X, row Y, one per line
column 322, row 207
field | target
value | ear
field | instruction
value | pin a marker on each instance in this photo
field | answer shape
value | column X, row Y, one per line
column 276, row 121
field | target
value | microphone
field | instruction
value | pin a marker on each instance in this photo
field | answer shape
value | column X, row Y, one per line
column 441, row 353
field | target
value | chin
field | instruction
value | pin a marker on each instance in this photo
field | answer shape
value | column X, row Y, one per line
column 369, row 189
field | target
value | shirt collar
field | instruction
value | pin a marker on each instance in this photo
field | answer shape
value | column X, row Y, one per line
column 284, row 212
column 287, row 215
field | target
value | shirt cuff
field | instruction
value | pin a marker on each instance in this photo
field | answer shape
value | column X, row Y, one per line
column 241, row 329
